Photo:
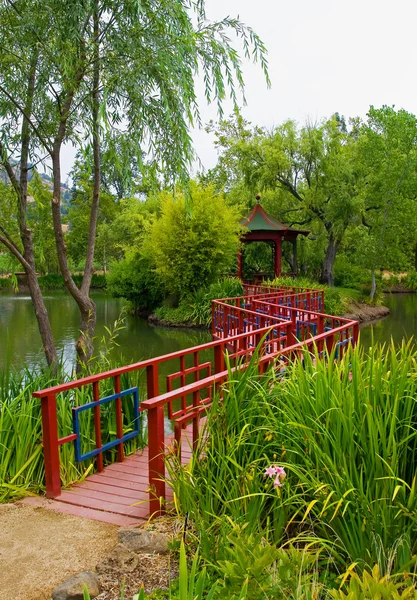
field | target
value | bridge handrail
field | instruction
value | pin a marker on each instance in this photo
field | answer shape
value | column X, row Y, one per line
column 239, row 345
column 77, row 383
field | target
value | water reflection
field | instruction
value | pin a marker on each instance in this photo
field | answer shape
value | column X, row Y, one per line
column 400, row 324
column 20, row 343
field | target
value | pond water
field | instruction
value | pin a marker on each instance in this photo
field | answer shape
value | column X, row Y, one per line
column 400, row 323
column 20, row 343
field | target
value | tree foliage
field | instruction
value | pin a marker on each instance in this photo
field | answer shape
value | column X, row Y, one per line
column 90, row 72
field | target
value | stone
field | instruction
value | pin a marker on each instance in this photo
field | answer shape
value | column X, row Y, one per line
column 7, row 506
column 73, row 587
column 141, row 540
column 120, row 560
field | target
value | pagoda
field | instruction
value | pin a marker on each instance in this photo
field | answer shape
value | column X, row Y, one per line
column 261, row 227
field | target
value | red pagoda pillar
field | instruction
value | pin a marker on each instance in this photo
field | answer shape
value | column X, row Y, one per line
column 277, row 258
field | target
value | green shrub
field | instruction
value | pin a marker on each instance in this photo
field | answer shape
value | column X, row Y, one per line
column 349, row 275
column 410, row 281
column 373, row 585
column 179, row 315
column 52, row 281
column 134, row 279
column 7, row 283
column 333, row 301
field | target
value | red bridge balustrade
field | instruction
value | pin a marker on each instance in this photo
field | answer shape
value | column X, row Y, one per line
column 281, row 322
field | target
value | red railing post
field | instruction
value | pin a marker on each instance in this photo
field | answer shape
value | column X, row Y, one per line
column 355, row 333
column 97, row 426
column 156, row 446
column 219, row 364
column 50, row 445
column 291, row 337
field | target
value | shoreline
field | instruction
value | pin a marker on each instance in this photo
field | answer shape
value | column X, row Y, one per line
column 365, row 312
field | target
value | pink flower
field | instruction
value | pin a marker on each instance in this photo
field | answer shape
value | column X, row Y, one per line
column 280, row 472
column 277, row 482
column 277, row 472
column 271, row 471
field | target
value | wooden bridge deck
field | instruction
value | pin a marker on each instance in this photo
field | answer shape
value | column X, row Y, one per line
column 118, row 495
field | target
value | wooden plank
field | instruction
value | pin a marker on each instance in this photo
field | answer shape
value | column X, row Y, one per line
column 98, row 482
column 80, row 511
column 79, row 500
column 126, row 499
column 126, row 477
column 128, row 469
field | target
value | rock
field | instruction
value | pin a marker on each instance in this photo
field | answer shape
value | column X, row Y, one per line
column 7, row 506
column 140, row 540
column 73, row 587
column 121, row 559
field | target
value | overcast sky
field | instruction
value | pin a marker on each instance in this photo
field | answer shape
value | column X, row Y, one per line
column 324, row 56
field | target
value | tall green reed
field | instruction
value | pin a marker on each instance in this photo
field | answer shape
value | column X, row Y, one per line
column 346, row 434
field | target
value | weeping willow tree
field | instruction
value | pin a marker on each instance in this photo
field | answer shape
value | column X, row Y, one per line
column 91, row 72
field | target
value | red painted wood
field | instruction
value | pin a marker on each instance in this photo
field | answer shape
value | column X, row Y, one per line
column 105, row 496
column 111, row 490
column 50, row 445
column 243, row 323
column 122, row 484
column 81, row 511
column 119, row 418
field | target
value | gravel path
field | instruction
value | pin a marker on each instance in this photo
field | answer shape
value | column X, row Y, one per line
column 40, row 548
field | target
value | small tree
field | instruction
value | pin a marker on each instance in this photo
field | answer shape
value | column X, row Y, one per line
column 191, row 251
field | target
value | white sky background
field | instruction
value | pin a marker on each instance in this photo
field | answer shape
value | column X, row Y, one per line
column 324, row 56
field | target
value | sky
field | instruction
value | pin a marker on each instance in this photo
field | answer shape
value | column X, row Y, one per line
column 325, row 56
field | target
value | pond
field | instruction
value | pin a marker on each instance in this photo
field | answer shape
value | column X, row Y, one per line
column 400, row 323
column 20, row 343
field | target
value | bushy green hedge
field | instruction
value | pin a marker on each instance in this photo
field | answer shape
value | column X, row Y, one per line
column 196, row 309
column 334, row 302
column 56, row 282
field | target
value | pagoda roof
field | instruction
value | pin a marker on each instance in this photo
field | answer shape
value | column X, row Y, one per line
column 259, row 220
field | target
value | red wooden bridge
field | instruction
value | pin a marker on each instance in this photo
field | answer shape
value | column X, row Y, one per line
column 280, row 321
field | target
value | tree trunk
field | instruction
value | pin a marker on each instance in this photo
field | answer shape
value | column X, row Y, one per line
column 373, row 285
column 85, row 345
column 85, row 342
column 327, row 276
column 27, row 257
column 42, row 318
column 87, row 307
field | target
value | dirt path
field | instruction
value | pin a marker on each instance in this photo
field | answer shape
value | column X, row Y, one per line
column 40, row 548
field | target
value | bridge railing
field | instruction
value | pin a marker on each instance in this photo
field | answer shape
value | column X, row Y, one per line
column 344, row 334
column 183, row 368
column 179, row 386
